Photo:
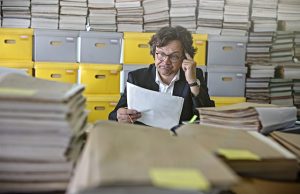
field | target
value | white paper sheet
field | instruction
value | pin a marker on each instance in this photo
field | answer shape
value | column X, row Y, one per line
column 158, row 109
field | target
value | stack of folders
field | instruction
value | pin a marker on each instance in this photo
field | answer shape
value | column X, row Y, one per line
column 156, row 14
column 288, row 140
column 40, row 124
column 297, row 46
column 16, row 14
column 288, row 71
column 236, row 18
column 296, row 96
column 261, row 70
column 289, row 15
column 210, row 16
column 257, row 90
column 264, row 118
column 129, row 15
column 73, row 14
column 183, row 13
column 126, row 158
column 102, row 15
column 45, row 14
column 249, row 153
column 282, row 49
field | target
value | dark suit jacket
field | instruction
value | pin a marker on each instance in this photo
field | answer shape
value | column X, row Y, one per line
column 145, row 78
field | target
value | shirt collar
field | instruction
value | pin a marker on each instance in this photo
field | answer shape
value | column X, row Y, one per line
column 159, row 81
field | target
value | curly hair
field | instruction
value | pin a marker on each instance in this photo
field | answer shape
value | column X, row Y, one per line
column 167, row 34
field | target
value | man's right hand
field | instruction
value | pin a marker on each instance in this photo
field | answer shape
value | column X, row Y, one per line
column 127, row 115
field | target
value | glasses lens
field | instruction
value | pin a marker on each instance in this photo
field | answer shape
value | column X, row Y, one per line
column 173, row 58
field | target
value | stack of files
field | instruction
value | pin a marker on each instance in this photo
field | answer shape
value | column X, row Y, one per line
column 39, row 121
column 156, row 14
column 288, row 71
column 249, row 153
column 210, row 16
column 257, row 90
column 261, row 70
column 288, row 10
column 128, row 157
column 263, row 118
column 259, row 47
column 129, row 15
column 183, row 13
column 236, row 18
column 289, row 25
column 269, row 90
column 288, row 140
column 297, row 46
column 296, row 95
column 45, row 14
column 282, row 49
column 73, row 14
column 102, row 15
column 264, row 15
column 16, row 13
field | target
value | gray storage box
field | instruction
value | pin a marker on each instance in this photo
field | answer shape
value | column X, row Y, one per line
column 100, row 47
column 226, row 80
column 224, row 50
column 55, row 45
column 124, row 74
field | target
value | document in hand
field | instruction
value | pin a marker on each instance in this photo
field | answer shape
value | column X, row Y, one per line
column 158, row 109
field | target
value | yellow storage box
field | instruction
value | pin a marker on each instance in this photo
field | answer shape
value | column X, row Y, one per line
column 200, row 42
column 62, row 72
column 99, row 106
column 27, row 66
column 223, row 101
column 136, row 48
column 100, row 78
column 16, row 44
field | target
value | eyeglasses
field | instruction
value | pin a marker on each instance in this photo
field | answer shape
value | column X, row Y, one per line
column 173, row 57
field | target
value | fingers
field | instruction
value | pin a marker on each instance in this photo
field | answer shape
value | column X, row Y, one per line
column 127, row 115
column 188, row 56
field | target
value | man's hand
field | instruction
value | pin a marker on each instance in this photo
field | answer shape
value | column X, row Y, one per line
column 127, row 115
column 189, row 68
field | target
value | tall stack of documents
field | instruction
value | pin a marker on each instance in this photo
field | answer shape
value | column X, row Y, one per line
column 288, row 71
column 102, row 15
column 39, row 121
column 73, row 14
column 264, row 15
column 257, row 90
column 156, row 14
column 129, row 15
column 289, row 15
column 236, row 18
column 183, row 13
column 297, row 46
column 249, row 116
column 210, row 16
column 248, row 153
column 16, row 13
column 261, row 70
column 125, row 156
column 45, row 14
column 282, row 49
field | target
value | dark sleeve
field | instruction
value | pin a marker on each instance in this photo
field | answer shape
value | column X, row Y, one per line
column 202, row 99
column 122, row 102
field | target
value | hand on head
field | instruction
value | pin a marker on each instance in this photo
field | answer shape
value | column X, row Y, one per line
column 189, row 68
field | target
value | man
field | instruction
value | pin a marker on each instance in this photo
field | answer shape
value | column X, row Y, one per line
column 174, row 72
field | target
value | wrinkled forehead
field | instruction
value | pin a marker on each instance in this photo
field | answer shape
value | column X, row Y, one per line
column 174, row 46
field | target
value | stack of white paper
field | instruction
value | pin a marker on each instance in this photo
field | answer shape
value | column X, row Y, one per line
column 73, row 14
column 16, row 14
column 39, row 121
column 264, row 15
column 44, row 14
column 210, row 16
column 102, row 15
column 129, row 15
column 236, row 17
column 263, row 70
column 183, row 13
column 156, row 14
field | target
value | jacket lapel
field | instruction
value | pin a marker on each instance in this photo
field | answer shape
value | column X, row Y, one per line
column 180, row 87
